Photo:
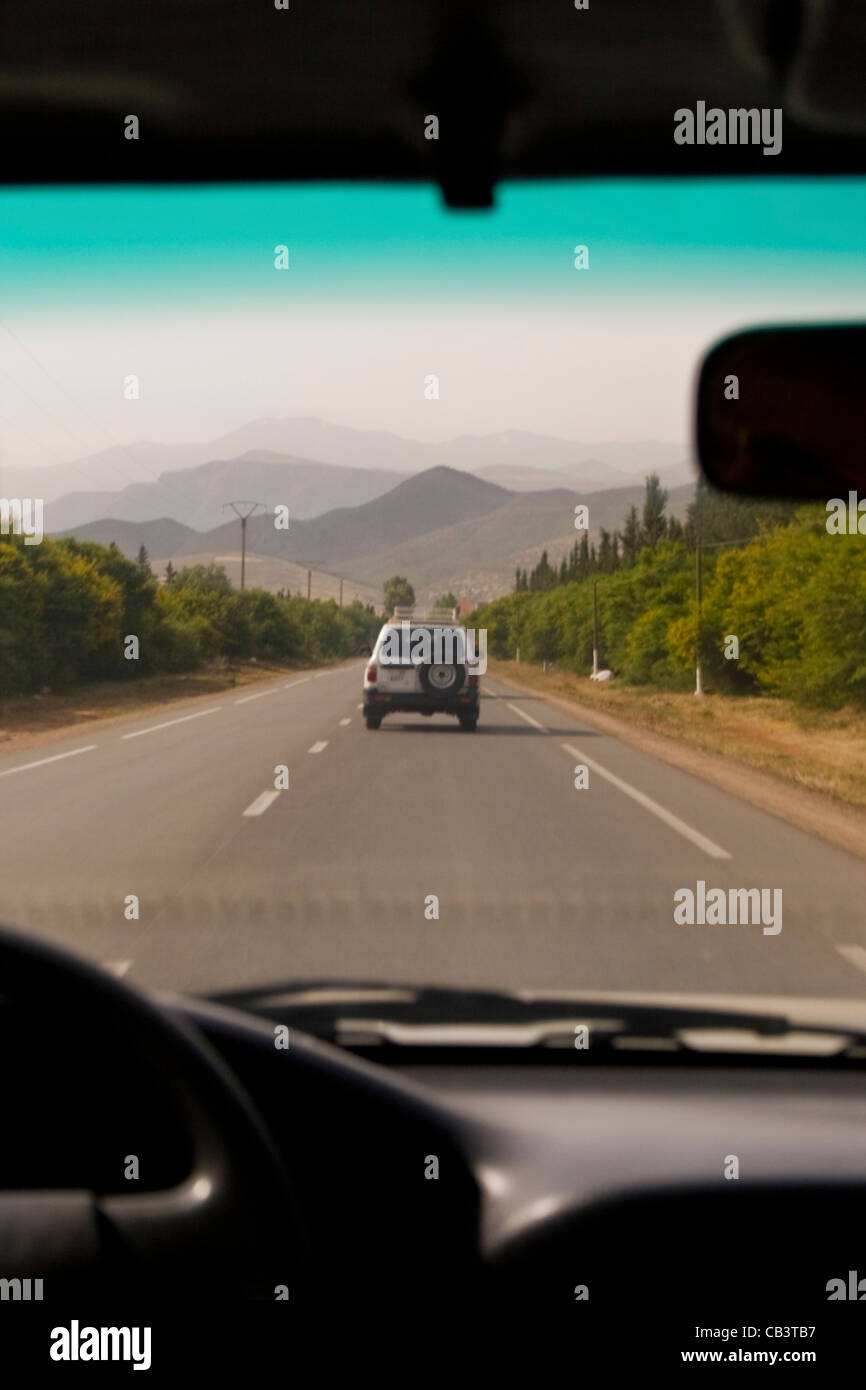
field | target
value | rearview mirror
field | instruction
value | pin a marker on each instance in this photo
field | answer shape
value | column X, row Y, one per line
column 781, row 411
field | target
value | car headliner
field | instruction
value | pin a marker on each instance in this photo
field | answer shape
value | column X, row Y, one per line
column 334, row 89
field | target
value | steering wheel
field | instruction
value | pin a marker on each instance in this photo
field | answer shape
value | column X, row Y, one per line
column 232, row 1220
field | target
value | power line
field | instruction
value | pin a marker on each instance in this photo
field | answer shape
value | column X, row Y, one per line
column 58, row 385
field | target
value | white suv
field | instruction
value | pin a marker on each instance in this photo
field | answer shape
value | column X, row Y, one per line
column 421, row 664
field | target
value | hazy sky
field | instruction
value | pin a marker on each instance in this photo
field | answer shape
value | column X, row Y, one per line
column 386, row 286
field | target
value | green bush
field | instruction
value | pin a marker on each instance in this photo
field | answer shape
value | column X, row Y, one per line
column 67, row 607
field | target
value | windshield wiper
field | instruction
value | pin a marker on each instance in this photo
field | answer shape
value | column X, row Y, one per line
column 377, row 1014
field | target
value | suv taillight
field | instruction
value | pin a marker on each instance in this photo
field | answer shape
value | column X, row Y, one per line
column 370, row 673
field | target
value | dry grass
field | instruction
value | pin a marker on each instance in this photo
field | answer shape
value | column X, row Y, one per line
column 820, row 751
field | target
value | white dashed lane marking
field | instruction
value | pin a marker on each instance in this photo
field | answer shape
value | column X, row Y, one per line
column 317, row 747
column 261, row 803
column 344, row 722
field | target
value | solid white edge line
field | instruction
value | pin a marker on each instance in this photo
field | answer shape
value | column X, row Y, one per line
column 261, row 803
column 300, row 682
column 855, row 955
column 258, row 695
column 318, row 747
column 528, row 717
column 25, row 767
column 702, row 842
column 139, row 733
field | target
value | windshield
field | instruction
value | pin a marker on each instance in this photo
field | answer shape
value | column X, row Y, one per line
column 242, row 428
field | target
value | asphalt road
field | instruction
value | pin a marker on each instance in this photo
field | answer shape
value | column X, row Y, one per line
column 539, row 884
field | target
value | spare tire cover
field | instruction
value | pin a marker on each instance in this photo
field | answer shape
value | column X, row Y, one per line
column 442, row 679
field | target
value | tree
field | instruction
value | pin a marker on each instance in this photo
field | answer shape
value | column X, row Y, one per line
column 721, row 516
column 398, row 592
column 654, row 524
column 204, row 579
column 544, row 576
column 631, row 538
column 447, row 600
column 583, row 557
column 143, row 559
column 605, row 552
column 170, row 573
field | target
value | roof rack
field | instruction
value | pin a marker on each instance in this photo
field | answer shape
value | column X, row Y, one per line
column 432, row 615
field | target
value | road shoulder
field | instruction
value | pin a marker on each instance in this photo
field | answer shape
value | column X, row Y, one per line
column 89, row 709
column 814, row 812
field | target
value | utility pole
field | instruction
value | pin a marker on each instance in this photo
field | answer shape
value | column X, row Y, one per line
column 311, row 565
column 595, row 627
column 244, row 517
column 699, row 686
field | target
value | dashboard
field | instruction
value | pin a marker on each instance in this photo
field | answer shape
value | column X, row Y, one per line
column 650, row 1206
column 559, row 1185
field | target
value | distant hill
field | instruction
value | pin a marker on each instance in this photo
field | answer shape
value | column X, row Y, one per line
column 582, row 478
column 585, row 465
column 439, row 497
column 145, row 461
column 165, row 536
column 479, row 557
column 195, row 495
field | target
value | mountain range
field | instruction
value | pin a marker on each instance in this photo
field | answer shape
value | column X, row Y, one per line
column 442, row 528
column 315, row 466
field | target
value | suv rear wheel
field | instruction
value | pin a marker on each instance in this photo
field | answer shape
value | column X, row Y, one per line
column 468, row 721
column 372, row 720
